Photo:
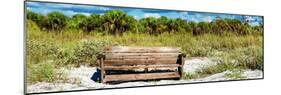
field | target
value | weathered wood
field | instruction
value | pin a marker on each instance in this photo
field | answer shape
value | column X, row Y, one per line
column 141, row 61
column 180, row 68
column 102, row 70
column 122, row 49
column 132, row 67
column 144, row 59
column 143, row 54
column 134, row 58
column 128, row 77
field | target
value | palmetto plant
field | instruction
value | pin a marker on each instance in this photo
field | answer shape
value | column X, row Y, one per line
column 55, row 21
column 76, row 21
column 175, row 25
column 117, row 22
column 35, row 17
column 150, row 24
column 93, row 22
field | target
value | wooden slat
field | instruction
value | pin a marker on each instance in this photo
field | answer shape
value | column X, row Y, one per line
column 143, row 58
column 128, row 77
column 128, row 67
column 143, row 54
column 140, row 55
column 123, row 49
column 140, row 61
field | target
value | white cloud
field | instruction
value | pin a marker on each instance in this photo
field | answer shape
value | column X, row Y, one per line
column 249, row 18
column 207, row 19
column 71, row 13
column 184, row 13
column 33, row 4
column 136, row 17
column 156, row 15
column 103, row 8
column 60, row 5
column 194, row 19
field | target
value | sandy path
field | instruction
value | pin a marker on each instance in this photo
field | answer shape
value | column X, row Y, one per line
column 82, row 78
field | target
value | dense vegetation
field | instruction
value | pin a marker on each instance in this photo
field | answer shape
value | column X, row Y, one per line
column 55, row 40
column 118, row 22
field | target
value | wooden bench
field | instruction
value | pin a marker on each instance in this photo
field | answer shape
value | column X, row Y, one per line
column 118, row 64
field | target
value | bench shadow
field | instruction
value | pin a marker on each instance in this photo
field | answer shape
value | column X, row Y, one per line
column 96, row 76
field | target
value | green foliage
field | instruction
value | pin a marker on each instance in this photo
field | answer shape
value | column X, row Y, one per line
column 43, row 72
column 117, row 22
column 208, row 70
column 37, row 18
column 188, row 76
column 76, row 21
column 200, row 51
column 252, row 58
column 55, row 21
column 150, row 24
column 32, row 25
column 241, row 58
column 176, row 25
column 93, row 22
column 38, row 51
column 86, row 52
column 235, row 74
column 202, row 28
column 236, row 44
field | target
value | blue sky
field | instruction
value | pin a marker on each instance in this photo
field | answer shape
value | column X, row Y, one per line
column 137, row 13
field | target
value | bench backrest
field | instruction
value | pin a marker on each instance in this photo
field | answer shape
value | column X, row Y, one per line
column 140, row 55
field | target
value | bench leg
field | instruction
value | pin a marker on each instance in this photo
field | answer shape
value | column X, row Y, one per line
column 102, row 71
column 181, row 65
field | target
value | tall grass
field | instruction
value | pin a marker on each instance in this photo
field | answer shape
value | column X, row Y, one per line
column 238, row 59
column 193, row 46
column 43, row 72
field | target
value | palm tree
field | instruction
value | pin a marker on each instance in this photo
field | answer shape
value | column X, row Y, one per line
column 150, row 24
column 117, row 22
column 35, row 17
column 55, row 21
column 93, row 22
column 161, row 25
column 175, row 25
column 202, row 27
column 76, row 21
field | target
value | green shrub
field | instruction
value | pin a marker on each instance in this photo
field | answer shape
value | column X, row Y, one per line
column 117, row 22
column 55, row 21
column 31, row 25
column 252, row 58
column 35, row 17
column 235, row 74
column 38, row 51
column 43, row 72
column 76, row 21
column 218, row 68
column 86, row 52
column 92, row 23
column 188, row 76
column 199, row 51
column 244, row 58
